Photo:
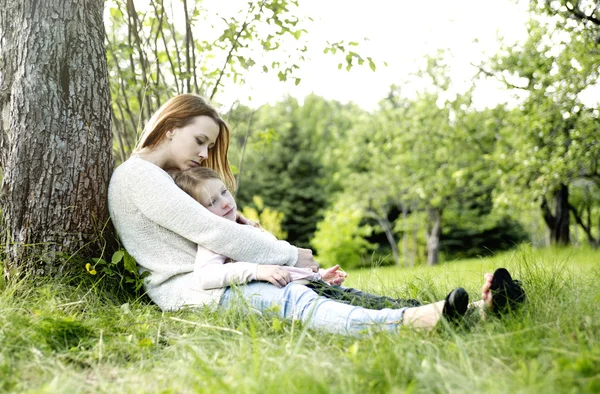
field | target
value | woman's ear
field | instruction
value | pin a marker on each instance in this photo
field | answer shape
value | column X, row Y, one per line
column 170, row 134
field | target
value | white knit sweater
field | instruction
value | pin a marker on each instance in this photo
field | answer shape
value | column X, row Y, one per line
column 161, row 227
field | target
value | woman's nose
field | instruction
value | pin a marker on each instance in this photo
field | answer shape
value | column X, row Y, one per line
column 203, row 152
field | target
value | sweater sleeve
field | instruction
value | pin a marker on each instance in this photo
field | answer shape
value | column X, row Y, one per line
column 212, row 273
column 157, row 197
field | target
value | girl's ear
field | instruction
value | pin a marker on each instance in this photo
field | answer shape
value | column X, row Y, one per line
column 170, row 134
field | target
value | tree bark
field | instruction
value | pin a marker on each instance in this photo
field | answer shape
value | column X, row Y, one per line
column 558, row 221
column 433, row 232
column 389, row 235
column 55, row 133
column 405, row 235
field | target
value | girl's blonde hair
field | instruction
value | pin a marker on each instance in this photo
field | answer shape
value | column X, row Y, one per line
column 190, row 181
column 179, row 112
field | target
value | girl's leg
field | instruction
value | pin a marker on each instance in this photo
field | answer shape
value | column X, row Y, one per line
column 296, row 301
column 358, row 297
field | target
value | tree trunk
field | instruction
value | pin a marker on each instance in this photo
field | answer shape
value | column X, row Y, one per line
column 55, row 134
column 389, row 234
column 558, row 221
column 405, row 235
column 434, row 231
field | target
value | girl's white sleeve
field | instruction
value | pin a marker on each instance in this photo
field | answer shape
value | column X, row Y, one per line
column 211, row 272
column 155, row 194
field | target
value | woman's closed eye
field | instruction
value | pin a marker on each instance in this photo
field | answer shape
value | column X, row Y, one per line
column 202, row 141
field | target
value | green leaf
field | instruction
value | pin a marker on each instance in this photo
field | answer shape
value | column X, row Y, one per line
column 117, row 256
column 372, row 64
column 298, row 81
column 115, row 13
column 277, row 326
column 129, row 263
column 99, row 261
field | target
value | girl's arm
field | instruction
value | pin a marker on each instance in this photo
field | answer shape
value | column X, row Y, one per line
column 155, row 194
column 212, row 273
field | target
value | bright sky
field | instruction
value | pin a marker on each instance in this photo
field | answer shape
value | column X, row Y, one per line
column 400, row 33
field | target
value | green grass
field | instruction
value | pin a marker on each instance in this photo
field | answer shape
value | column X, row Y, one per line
column 57, row 338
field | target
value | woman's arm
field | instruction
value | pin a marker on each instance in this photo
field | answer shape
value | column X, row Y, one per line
column 155, row 194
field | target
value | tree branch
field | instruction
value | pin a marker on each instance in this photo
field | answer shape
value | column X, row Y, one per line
column 164, row 40
column 587, row 229
column 579, row 14
column 233, row 48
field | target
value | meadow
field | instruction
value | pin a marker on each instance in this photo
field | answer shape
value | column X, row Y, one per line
column 57, row 337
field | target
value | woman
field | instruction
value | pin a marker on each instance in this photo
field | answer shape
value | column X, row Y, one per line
column 161, row 227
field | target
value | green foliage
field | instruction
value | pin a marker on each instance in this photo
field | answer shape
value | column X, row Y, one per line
column 481, row 236
column 121, row 271
column 283, row 159
column 268, row 218
column 340, row 238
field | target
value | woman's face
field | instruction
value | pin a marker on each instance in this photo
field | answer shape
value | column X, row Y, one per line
column 188, row 146
column 217, row 199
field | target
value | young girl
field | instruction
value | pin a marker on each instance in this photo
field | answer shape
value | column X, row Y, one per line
column 213, row 270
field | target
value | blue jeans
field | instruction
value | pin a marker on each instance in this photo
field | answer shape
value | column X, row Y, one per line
column 298, row 302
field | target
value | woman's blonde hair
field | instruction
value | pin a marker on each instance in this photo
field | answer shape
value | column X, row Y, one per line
column 179, row 112
column 190, row 181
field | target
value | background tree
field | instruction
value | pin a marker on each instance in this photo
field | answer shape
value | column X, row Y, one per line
column 553, row 139
column 55, row 132
column 286, row 162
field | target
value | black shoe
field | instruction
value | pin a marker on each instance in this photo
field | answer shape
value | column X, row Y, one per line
column 507, row 294
column 456, row 304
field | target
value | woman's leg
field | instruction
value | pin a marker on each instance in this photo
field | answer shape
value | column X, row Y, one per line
column 359, row 298
column 296, row 301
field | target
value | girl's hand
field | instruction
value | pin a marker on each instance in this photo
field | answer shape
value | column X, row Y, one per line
column 274, row 274
column 333, row 275
column 242, row 220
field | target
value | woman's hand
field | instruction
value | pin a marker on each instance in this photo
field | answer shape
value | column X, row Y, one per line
column 274, row 274
column 242, row 220
column 333, row 275
column 306, row 260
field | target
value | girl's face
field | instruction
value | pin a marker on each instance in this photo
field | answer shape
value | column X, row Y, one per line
column 217, row 199
column 188, row 146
